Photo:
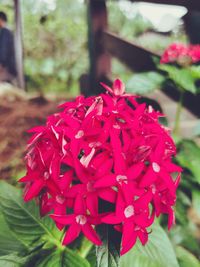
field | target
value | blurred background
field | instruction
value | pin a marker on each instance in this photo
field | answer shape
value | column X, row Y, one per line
column 65, row 47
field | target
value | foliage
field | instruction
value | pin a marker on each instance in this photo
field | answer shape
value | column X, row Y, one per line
column 145, row 82
column 108, row 254
column 57, row 57
column 159, row 252
column 31, row 235
column 184, row 78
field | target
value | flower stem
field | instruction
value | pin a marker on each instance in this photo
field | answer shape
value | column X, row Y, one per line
column 86, row 246
column 178, row 113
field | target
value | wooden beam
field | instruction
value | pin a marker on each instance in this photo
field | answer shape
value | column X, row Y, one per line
column 100, row 62
column 19, row 45
column 137, row 58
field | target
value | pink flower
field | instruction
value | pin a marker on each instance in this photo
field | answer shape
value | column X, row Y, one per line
column 181, row 54
column 99, row 152
column 79, row 221
column 133, row 214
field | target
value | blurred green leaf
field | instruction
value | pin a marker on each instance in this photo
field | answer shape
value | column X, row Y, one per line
column 184, row 236
column 189, row 157
column 196, row 201
column 197, row 129
column 186, row 258
column 183, row 78
column 143, row 83
column 158, row 252
column 195, row 71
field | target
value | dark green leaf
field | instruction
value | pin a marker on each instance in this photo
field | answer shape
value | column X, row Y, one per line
column 65, row 258
column 181, row 77
column 23, row 218
column 108, row 253
column 189, row 157
column 143, row 83
column 8, row 241
column 158, row 252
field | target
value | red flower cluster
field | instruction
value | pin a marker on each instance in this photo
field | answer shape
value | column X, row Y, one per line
column 181, row 54
column 101, row 150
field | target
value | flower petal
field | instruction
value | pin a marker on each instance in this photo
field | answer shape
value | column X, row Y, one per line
column 34, row 190
column 63, row 219
column 90, row 233
column 71, row 234
column 112, row 219
column 92, row 203
column 108, row 194
column 108, row 180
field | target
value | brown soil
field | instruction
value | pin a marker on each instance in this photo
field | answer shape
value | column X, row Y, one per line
column 16, row 117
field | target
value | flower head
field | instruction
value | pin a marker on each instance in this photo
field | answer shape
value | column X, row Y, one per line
column 181, row 54
column 101, row 150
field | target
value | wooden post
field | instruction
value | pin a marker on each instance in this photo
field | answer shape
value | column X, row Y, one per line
column 100, row 62
column 19, row 45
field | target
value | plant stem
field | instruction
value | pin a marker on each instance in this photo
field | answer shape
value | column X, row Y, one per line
column 178, row 113
column 86, row 246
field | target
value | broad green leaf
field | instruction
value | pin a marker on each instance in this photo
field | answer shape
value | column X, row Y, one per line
column 189, row 157
column 158, row 252
column 8, row 241
column 24, row 219
column 186, row 258
column 12, row 260
column 195, row 71
column 64, row 258
column 108, row 253
column 143, row 83
column 183, row 78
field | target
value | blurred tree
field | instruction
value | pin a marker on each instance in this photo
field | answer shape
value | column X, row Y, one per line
column 55, row 38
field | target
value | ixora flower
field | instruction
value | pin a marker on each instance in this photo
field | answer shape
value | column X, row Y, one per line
column 100, row 150
column 181, row 54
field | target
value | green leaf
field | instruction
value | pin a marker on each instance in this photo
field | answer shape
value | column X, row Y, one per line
column 143, row 83
column 183, row 78
column 8, row 241
column 189, row 157
column 196, row 201
column 158, row 252
column 12, row 260
column 65, row 258
column 24, row 219
column 184, row 236
column 108, row 253
column 195, row 71
column 186, row 258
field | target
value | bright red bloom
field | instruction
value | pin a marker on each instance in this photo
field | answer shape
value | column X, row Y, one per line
column 101, row 150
